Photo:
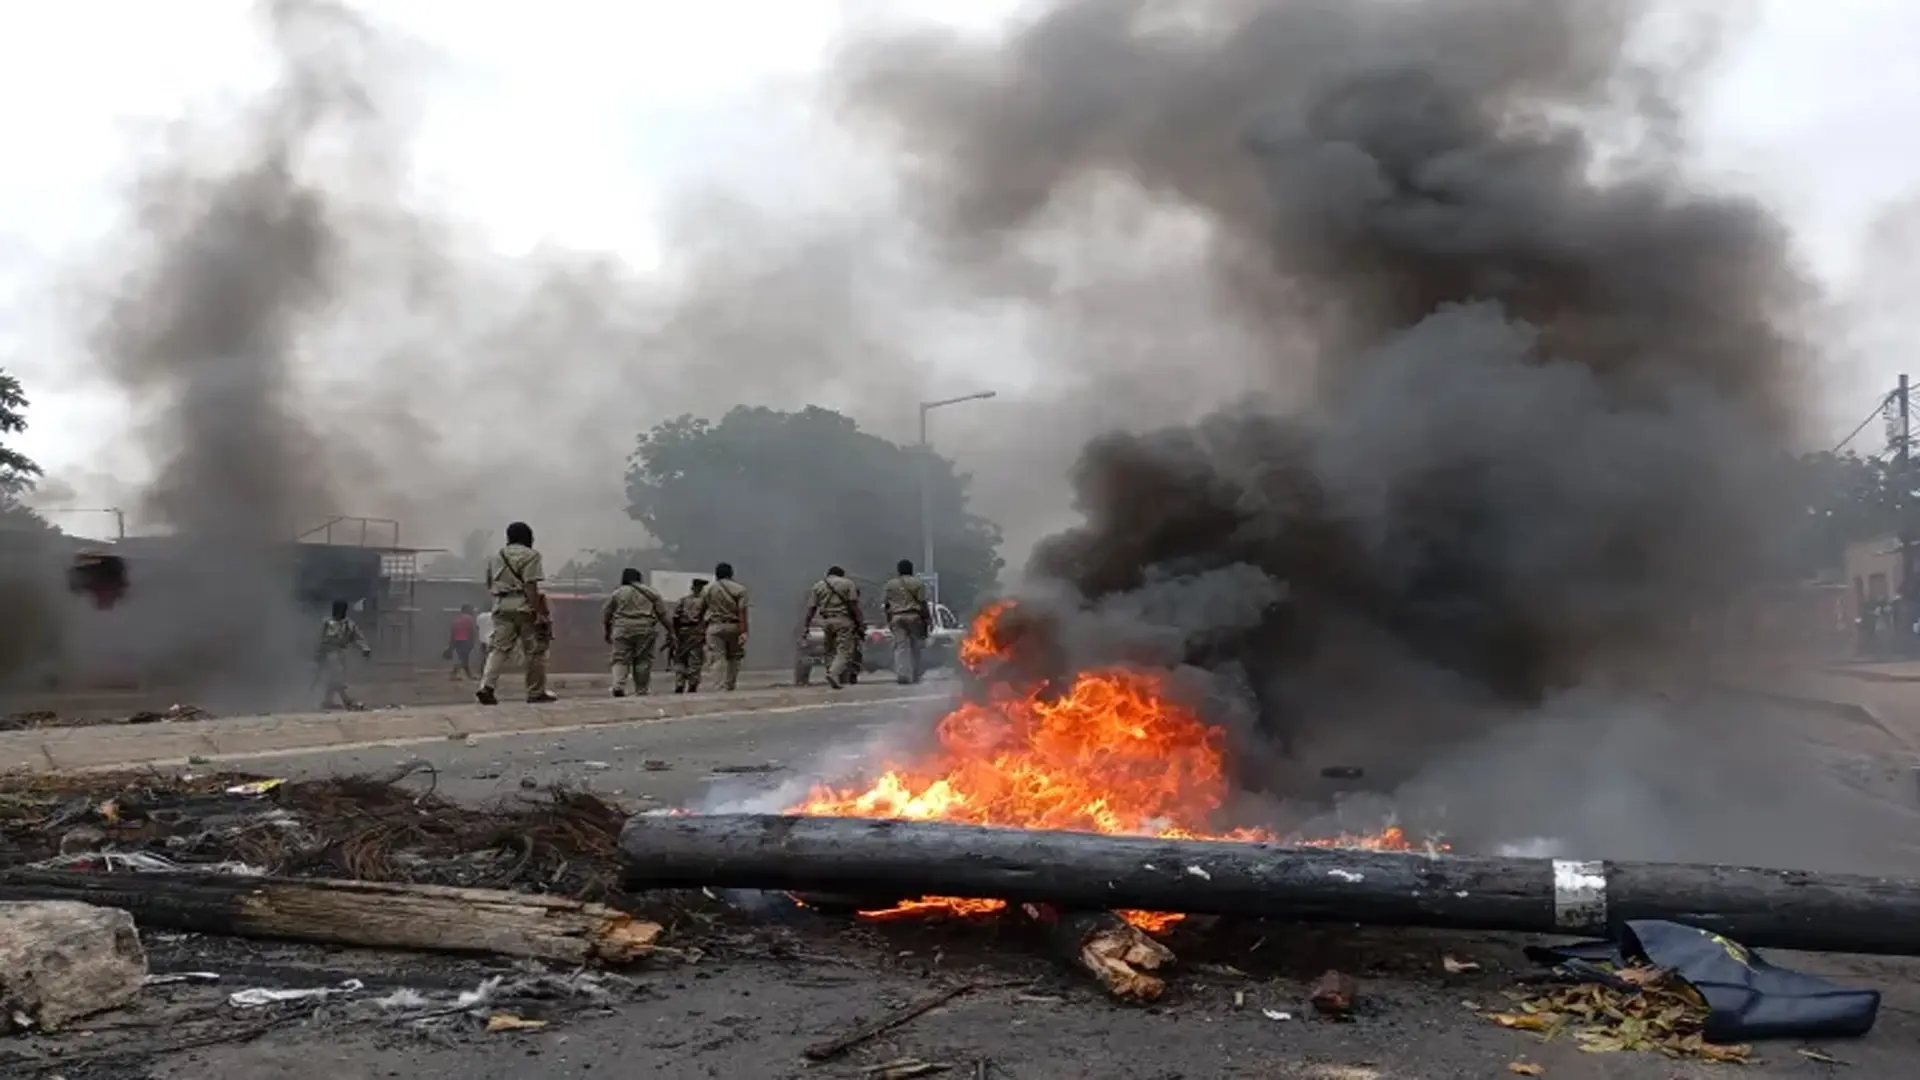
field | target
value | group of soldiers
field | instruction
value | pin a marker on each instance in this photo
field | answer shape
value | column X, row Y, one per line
column 705, row 631
column 709, row 626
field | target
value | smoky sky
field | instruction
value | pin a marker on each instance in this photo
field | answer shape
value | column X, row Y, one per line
column 1514, row 380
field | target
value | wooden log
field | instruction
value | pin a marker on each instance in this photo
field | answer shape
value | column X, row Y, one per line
column 1786, row 909
column 60, row 962
column 1120, row 957
column 365, row 914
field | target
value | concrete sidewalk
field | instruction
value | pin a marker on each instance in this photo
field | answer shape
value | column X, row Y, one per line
column 107, row 746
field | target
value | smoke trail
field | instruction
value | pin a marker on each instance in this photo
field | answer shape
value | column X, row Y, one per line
column 1548, row 376
column 229, row 268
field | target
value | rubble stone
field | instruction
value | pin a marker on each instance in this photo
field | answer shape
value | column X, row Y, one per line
column 61, row 961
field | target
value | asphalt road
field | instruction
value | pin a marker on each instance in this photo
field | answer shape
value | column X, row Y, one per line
column 651, row 763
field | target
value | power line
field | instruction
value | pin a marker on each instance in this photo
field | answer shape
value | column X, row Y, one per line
column 1879, row 410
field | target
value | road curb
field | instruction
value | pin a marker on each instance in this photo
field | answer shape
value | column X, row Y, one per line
column 1845, row 710
column 81, row 749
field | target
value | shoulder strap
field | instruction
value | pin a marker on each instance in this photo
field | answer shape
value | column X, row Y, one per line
column 507, row 565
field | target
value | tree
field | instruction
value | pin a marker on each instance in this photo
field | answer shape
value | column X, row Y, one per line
column 783, row 495
column 18, row 472
column 1842, row 499
column 604, row 567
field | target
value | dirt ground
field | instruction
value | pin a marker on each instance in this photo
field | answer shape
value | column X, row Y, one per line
column 762, row 992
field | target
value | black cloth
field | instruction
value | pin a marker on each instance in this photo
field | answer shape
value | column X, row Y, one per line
column 1747, row 998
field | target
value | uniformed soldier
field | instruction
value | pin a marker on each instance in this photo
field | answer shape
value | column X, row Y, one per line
column 520, row 615
column 689, row 638
column 337, row 635
column 909, row 622
column 632, row 619
column 836, row 603
column 726, row 636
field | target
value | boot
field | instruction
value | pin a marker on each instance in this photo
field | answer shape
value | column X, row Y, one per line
column 486, row 696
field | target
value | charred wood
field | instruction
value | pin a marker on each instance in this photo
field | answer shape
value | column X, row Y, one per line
column 1785, row 909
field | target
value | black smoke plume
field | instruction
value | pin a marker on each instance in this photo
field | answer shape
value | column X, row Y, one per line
column 1549, row 374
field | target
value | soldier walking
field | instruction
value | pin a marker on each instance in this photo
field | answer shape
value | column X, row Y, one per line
column 726, row 636
column 520, row 615
column 836, row 603
column 689, row 638
column 337, row 635
column 631, row 620
column 909, row 622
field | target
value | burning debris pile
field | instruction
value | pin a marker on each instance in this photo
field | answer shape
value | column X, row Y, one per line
column 1109, row 751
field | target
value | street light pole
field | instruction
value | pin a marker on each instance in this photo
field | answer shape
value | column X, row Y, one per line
column 926, row 474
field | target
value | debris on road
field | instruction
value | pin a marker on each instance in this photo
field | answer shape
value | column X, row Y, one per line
column 1455, row 966
column 1659, row 1015
column 61, row 962
column 1361, row 884
column 258, row 997
column 835, row 1047
column 1334, row 994
column 366, row 914
column 1117, row 954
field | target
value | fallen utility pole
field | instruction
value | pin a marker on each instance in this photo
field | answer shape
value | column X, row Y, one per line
column 356, row 913
column 1785, row 909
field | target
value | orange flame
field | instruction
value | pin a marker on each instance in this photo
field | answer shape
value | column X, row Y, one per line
column 1112, row 754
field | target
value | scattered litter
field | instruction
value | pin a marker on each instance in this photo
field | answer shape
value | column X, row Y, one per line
column 1195, row 871
column 768, row 767
column 198, row 759
column 261, row 996
column 503, row 1021
column 1455, row 966
column 1348, row 876
column 1824, row 1059
column 595, row 766
column 833, row 1048
column 655, row 765
column 141, row 862
column 1526, row 1068
column 1239, row 998
column 255, row 787
column 177, row 977
column 1276, row 1014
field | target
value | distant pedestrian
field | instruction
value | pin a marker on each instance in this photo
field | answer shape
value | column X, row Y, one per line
column 337, row 635
column 483, row 633
column 631, row 621
column 726, row 637
column 460, row 639
column 909, row 622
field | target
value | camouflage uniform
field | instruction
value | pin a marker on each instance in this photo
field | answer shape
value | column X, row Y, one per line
column 632, row 618
column 726, row 603
column 909, row 621
column 330, row 658
column 689, row 639
column 515, row 622
column 836, row 603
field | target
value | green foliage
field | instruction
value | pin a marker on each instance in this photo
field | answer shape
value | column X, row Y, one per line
column 783, row 495
column 17, row 471
column 1843, row 499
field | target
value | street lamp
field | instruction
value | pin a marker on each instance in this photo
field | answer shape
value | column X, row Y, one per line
column 926, row 477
